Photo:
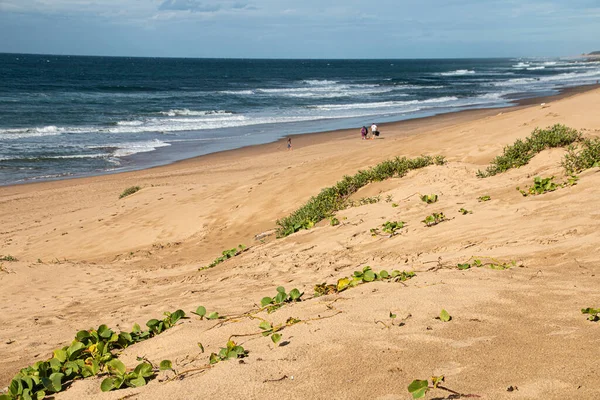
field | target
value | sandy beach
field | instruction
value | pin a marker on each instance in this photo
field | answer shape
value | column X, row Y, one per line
column 85, row 257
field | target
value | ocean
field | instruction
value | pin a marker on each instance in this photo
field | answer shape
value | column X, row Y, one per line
column 67, row 116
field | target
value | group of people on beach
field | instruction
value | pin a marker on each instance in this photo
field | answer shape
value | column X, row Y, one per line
column 364, row 132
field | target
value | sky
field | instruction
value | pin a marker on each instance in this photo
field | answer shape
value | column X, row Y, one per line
column 301, row 28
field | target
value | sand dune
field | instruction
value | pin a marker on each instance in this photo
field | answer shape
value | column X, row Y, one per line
column 87, row 257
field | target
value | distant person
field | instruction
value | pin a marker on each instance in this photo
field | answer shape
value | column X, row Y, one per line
column 374, row 131
column 364, row 132
column 289, row 144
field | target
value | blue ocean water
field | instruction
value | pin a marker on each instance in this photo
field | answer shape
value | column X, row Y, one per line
column 64, row 116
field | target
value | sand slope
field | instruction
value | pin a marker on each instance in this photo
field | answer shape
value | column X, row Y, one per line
column 105, row 260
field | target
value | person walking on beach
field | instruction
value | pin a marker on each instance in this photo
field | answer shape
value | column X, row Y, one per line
column 374, row 131
column 363, row 132
column 289, row 144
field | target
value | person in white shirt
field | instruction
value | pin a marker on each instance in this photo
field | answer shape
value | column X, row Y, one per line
column 374, row 131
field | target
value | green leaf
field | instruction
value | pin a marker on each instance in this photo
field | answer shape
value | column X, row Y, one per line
column 201, row 347
column 176, row 316
column 60, row 355
column 137, row 382
column 369, row 276
column 213, row 315
column 136, row 328
column 444, row 316
column 281, row 289
column 384, row 274
column 266, row 301
column 104, row 332
column 265, row 325
column 280, row 298
column 295, row 294
column 144, row 369
column 201, row 311
column 166, row 365
column 75, row 349
column 214, row 358
column 464, row 266
column 276, row 337
column 116, row 365
column 54, row 382
column 392, row 315
column 107, row 384
column 16, row 387
column 418, row 388
column 152, row 323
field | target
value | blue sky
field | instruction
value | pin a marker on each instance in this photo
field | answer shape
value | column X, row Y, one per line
column 301, row 28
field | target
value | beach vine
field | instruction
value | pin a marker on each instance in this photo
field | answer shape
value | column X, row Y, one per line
column 336, row 197
column 523, row 150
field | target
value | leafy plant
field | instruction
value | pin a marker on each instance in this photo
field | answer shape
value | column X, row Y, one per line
column 8, row 258
column 374, row 231
column 434, row 219
column 545, row 185
column 584, row 156
column 392, row 227
column 231, row 350
column 439, row 160
column 522, row 151
column 394, row 205
column 226, row 255
column 334, row 221
column 484, row 198
column 389, row 198
column 90, row 353
column 491, row 263
column 129, row 191
column 419, row 388
column 464, row 211
column 360, row 277
column 335, row 198
column 201, row 312
column 363, row 201
column 593, row 313
column 444, row 316
column 429, row 199
column 269, row 330
column 273, row 303
column 119, row 375
column 540, row 186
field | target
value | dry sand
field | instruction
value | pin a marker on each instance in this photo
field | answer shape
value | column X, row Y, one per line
column 87, row 257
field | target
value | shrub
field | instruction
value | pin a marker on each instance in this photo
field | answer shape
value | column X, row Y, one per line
column 129, row 191
column 335, row 198
column 522, row 151
column 584, row 156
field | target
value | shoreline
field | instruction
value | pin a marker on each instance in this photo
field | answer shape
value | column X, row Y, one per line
column 323, row 136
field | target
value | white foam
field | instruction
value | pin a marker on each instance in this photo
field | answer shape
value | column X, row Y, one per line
column 238, row 92
column 536, row 68
column 383, row 104
column 19, row 133
column 565, row 78
column 417, row 87
column 316, row 82
column 130, row 123
column 186, row 112
column 129, row 148
column 522, row 65
column 458, row 72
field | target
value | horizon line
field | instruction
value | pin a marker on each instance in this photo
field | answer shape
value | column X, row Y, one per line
column 294, row 58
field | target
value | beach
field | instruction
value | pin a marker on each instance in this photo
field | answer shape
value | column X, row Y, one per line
column 86, row 257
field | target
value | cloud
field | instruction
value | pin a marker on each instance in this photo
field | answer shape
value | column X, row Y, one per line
column 188, row 5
